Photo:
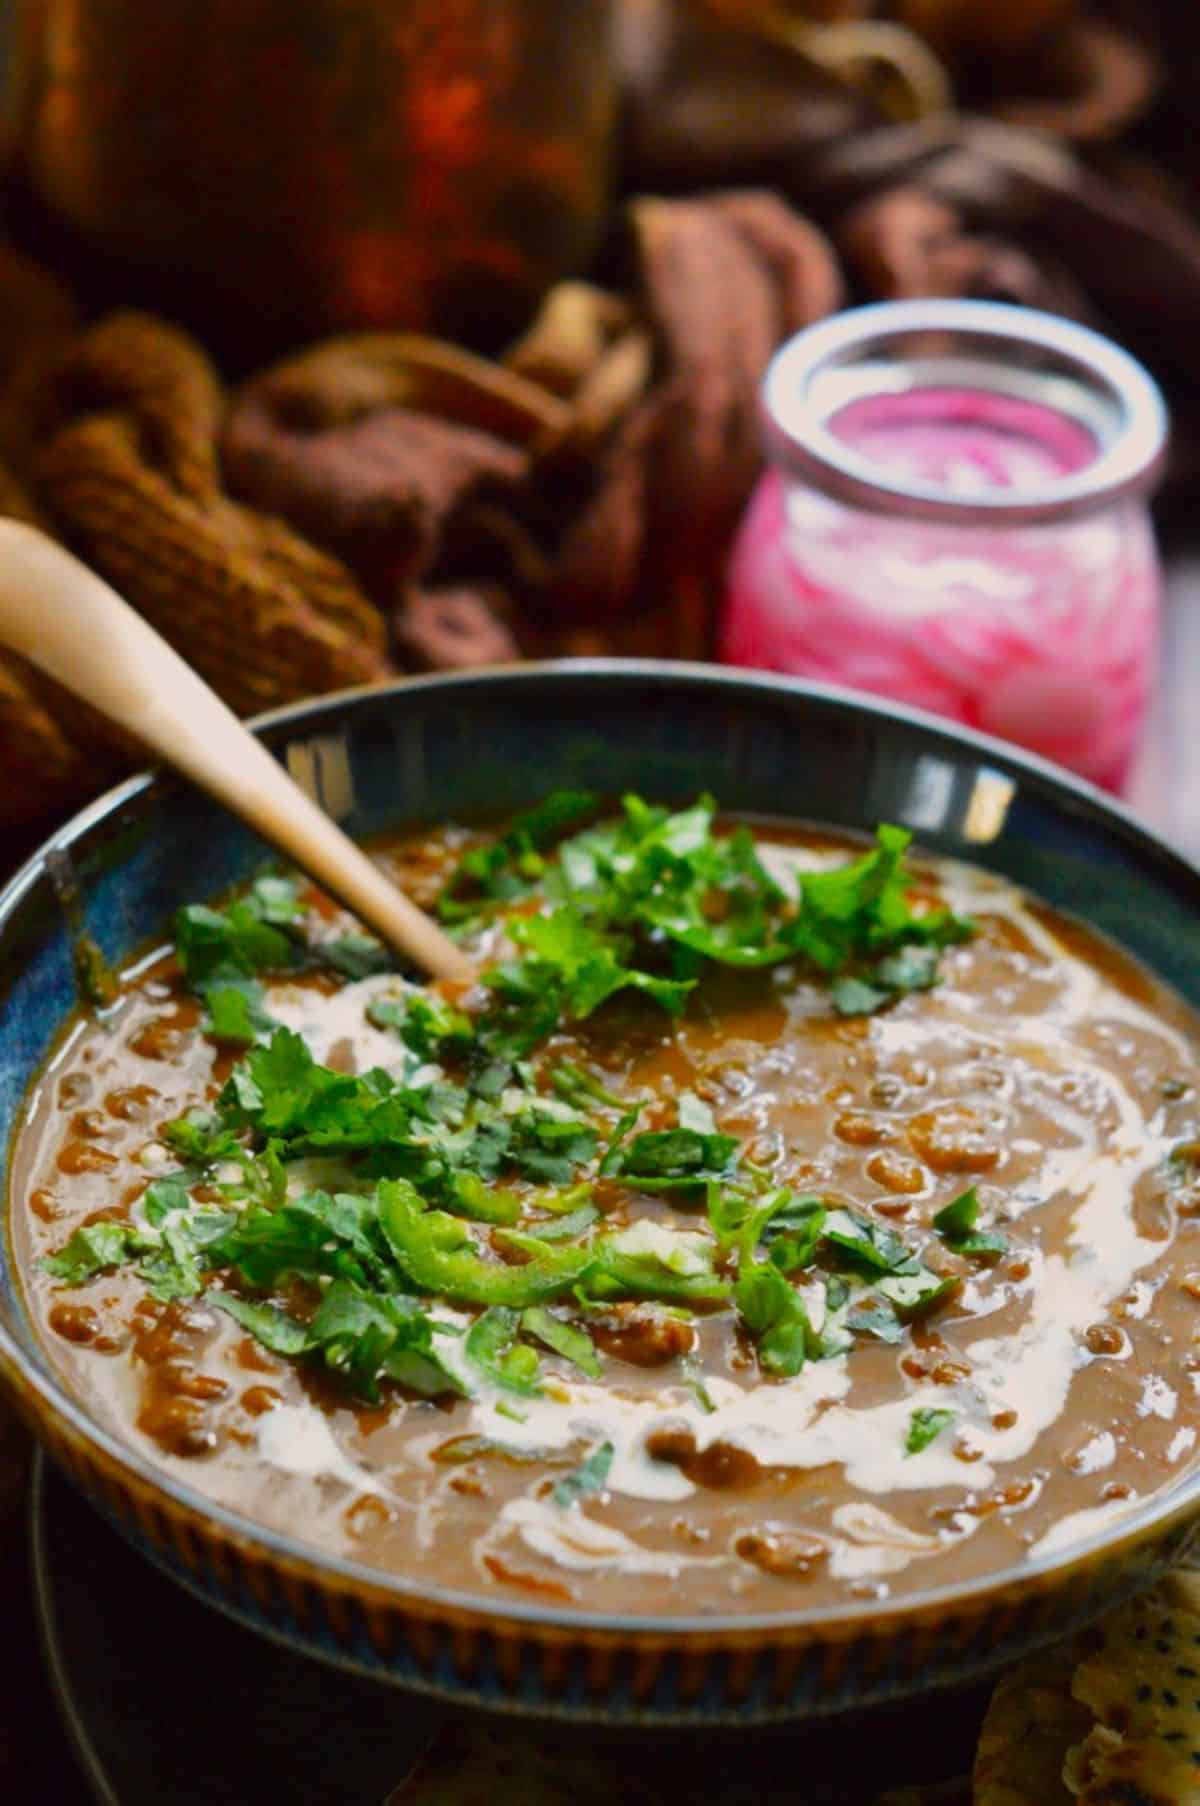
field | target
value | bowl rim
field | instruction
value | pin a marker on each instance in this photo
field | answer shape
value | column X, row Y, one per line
column 1159, row 1512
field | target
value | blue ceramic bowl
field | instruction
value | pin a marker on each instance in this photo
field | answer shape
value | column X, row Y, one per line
column 457, row 746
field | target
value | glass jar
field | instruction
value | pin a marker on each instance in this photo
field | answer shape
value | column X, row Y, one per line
column 273, row 170
column 955, row 518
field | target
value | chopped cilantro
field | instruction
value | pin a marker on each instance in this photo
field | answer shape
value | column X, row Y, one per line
column 584, row 968
column 425, row 1022
column 579, row 1087
column 867, row 1244
column 354, row 955
column 282, row 1334
column 507, row 868
column 565, row 1339
column 925, row 1426
column 368, row 1336
column 249, row 935
column 791, row 1229
column 491, row 1345
column 774, row 1314
column 172, row 1270
column 955, row 1223
column 162, row 1196
column 93, row 1249
column 916, row 1294
column 201, row 1139
column 875, row 1320
column 236, row 1012
column 469, row 1176
column 588, row 1477
column 672, row 1159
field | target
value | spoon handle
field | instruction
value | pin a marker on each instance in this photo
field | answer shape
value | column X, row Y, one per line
column 67, row 621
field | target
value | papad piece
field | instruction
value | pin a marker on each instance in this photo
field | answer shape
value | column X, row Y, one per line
column 1030, row 1725
column 1140, row 1680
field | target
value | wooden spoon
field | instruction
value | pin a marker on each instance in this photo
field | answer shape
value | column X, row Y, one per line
column 71, row 625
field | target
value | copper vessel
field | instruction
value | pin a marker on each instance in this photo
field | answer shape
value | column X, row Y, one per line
column 277, row 169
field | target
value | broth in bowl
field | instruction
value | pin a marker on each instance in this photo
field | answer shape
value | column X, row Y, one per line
column 774, row 1222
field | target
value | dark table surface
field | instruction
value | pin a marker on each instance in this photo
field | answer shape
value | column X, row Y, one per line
column 1165, row 789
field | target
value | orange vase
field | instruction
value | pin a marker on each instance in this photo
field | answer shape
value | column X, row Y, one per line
column 277, row 169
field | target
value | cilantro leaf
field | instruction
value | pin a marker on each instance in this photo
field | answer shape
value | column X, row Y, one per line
column 172, row 1270
column 313, row 1235
column 774, row 1314
column 507, row 867
column 565, row 1339
column 364, row 1337
column 669, row 876
column 280, row 1091
column 790, row 1227
column 491, row 1344
column 278, row 1332
column 354, row 955
column 549, row 1149
column 162, row 1196
column 236, row 1012
column 925, row 1426
column 861, row 907
column 578, row 1087
column 585, row 967
column 672, row 1159
column 916, row 1294
column 875, row 1320
column 869, row 1244
column 201, row 1139
column 957, row 1219
column 245, row 937
column 92, row 1249
column 588, row 1477
column 425, row 1022
column 955, row 1223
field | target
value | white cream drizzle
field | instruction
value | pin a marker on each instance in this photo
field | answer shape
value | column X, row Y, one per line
column 1181, row 1444
column 574, row 1540
column 299, row 1439
column 873, row 1542
column 1080, row 1524
column 1097, row 1453
column 323, row 1022
column 1158, row 1399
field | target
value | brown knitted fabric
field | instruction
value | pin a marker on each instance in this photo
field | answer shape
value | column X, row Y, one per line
column 371, row 444
column 53, row 750
column 125, row 469
column 517, row 507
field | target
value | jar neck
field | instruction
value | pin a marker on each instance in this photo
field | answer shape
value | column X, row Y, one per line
column 939, row 410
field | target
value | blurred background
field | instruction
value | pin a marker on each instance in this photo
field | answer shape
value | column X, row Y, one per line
column 356, row 337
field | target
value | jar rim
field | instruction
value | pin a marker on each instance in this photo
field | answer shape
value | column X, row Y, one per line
column 1094, row 383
